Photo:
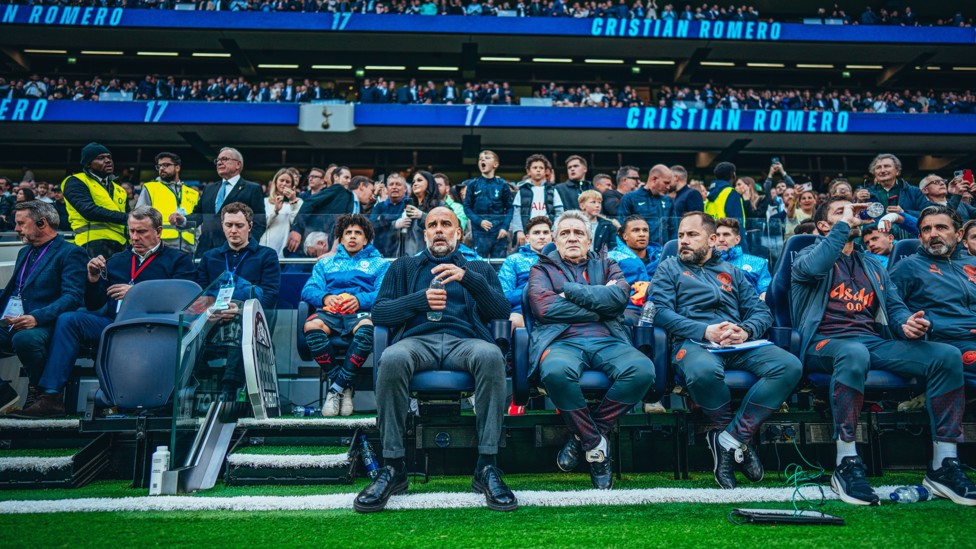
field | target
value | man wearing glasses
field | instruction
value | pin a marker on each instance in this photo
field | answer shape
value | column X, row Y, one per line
column 231, row 188
column 172, row 199
column 96, row 204
column 942, row 193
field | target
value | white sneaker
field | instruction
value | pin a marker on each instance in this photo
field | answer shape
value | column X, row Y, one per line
column 333, row 404
column 598, row 454
column 346, row 408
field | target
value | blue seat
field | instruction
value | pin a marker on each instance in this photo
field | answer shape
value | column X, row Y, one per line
column 902, row 248
column 653, row 342
column 670, row 249
column 440, row 384
column 290, row 291
column 138, row 353
column 778, row 299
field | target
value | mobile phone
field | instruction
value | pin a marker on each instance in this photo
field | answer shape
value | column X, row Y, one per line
column 957, row 174
column 967, row 176
column 807, row 186
column 776, row 160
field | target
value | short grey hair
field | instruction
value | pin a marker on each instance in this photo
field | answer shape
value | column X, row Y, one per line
column 38, row 210
column 314, row 237
column 570, row 214
column 148, row 212
column 235, row 152
column 885, row 156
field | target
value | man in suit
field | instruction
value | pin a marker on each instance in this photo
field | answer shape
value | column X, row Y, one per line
column 231, row 188
column 48, row 281
column 147, row 259
column 320, row 210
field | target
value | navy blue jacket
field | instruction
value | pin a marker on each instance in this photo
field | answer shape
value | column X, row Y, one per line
column 56, row 284
column 658, row 211
column 384, row 214
column 169, row 263
column 688, row 200
column 258, row 276
column 945, row 288
column 489, row 199
column 910, row 198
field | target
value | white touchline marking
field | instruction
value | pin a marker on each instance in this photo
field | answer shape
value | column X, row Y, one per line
column 437, row 500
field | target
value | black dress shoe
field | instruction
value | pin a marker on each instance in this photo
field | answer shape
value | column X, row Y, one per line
column 374, row 497
column 752, row 466
column 568, row 457
column 499, row 497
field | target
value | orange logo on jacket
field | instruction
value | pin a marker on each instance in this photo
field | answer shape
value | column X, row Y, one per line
column 822, row 343
column 970, row 273
column 969, row 357
column 853, row 301
column 681, row 354
column 933, row 268
column 725, row 279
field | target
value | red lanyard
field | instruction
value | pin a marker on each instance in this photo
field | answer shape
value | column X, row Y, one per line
column 145, row 264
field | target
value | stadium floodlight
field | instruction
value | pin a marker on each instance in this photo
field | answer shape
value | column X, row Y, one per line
column 385, row 68
column 604, row 61
column 332, row 67
column 158, row 53
column 654, row 62
column 552, row 60
column 101, row 52
column 717, row 64
column 436, row 68
column 61, row 52
column 766, row 65
column 933, row 68
column 210, row 54
column 865, row 67
column 495, row 59
column 813, row 66
column 276, row 66
column 964, row 68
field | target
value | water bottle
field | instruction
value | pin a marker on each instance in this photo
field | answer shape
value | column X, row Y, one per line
column 910, row 494
column 873, row 211
column 435, row 316
column 369, row 458
column 160, row 463
column 647, row 314
column 305, row 411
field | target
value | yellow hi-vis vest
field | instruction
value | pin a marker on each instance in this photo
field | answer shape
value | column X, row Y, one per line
column 86, row 231
column 164, row 200
column 716, row 208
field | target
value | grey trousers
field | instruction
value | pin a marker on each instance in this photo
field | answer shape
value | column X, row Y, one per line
column 440, row 352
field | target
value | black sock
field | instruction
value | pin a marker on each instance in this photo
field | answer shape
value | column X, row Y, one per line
column 321, row 348
column 485, row 460
column 359, row 349
column 398, row 464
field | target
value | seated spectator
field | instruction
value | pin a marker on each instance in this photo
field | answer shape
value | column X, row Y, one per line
column 488, row 204
column 108, row 282
column 969, row 237
column 514, row 272
column 534, row 197
column 878, row 243
column 47, row 281
column 937, row 192
column 720, row 306
column 637, row 258
column 343, row 288
column 727, row 244
column 424, row 197
column 850, row 321
column 250, row 271
column 602, row 230
column 577, row 299
column 459, row 340
column 281, row 208
column 388, row 220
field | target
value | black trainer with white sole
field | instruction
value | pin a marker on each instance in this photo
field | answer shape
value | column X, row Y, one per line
column 850, row 481
column 724, row 461
column 951, row 482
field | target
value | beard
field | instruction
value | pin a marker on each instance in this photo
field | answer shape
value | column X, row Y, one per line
column 442, row 249
column 937, row 247
column 697, row 255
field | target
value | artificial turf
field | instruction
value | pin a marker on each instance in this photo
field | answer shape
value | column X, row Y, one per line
column 293, row 450
column 38, row 452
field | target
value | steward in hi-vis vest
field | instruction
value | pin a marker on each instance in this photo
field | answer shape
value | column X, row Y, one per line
column 169, row 199
column 96, row 204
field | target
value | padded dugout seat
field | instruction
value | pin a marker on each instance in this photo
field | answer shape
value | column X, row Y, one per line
column 902, row 249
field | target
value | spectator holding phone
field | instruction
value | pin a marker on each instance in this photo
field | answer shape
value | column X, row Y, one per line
column 942, row 193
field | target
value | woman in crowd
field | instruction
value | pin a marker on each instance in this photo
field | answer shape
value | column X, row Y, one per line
column 281, row 208
column 424, row 197
column 25, row 195
column 801, row 210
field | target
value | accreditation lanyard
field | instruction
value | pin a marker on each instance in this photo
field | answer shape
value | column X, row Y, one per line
column 20, row 281
column 134, row 273
column 178, row 191
column 233, row 271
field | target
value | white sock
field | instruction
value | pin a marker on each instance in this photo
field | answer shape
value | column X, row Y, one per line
column 942, row 450
column 845, row 449
column 727, row 441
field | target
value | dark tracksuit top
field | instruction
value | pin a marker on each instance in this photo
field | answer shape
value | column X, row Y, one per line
column 945, row 288
column 658, row 211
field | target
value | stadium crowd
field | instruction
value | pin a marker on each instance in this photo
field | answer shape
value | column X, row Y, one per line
column 605, row 95
column 585, row 257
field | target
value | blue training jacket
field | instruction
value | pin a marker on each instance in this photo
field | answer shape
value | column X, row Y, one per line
column 514, row 275
column 360, row 275
column 635, row 271
column 755, row 267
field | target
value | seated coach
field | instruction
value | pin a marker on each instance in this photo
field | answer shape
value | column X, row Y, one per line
column 578, row 299
column 108, row 282
column 699, row 298
column 48, row 280
column 457, row 339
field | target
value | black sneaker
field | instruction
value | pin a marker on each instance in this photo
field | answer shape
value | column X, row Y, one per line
column 723, row 459
column 851, row 483
column 8, row 397
column 752, row 466
column 601, row 465
column 568, row 458
column 951, row 482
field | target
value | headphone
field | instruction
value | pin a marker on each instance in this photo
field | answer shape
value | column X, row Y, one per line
column 40, row 222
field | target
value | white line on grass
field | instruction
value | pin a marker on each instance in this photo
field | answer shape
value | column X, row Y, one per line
column 38, row 464
column 299, row 461
column 11, row 423
column 438, row 500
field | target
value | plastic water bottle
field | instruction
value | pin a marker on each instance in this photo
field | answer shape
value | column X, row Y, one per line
column 160, row 464
column 369, row 458
column 910, row 494
column 305, row 411
column 647, row 314
column 435, row 316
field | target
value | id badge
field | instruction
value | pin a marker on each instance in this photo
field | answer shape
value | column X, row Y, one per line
column 15, row 308
column 224, row 296
column 181, row 210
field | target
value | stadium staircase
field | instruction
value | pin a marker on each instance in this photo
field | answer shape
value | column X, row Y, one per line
column 50, row 454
